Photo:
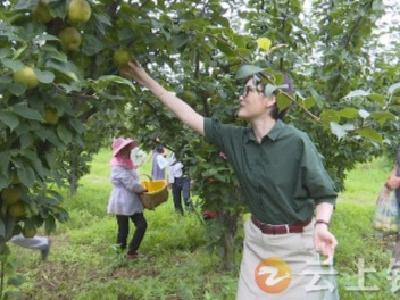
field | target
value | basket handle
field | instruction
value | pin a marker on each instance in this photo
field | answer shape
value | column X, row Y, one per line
column 146, row 175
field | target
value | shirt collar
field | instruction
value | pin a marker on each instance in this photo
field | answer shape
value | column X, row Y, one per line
column 273, row 134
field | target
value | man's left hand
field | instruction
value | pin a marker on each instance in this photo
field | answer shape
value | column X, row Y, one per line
column 325, row 242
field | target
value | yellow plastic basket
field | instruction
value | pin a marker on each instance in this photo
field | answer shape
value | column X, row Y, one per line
column 157, row 193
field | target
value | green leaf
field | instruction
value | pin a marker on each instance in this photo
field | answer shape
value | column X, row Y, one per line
column 11, row 32
column 115, row 79
column 341, row 130
column 357, row 93
column 376, row 97
column 180, row 40
column 58, row 9
column 309, row 102
column 220, row 20
column 37, row 164
column 370, row 134
column 382, row 117
column 9, row 119
column 283, row 101
column 52, row 52
column 61, row 214
column 26, row 140
column 246, row 71
column 91, row 45
column 51, row 158
column 16, row 88
column 329, row 115
column 26, row 175
column 103, row 19
column 64, row 134
column 5, row 79
column 66, row 69
column 75, row 86
column 26, row 4
column 4, row 52
column 394, row 87
column 12, row 64
column 318, row 98
column 27, row 112
column 4, row 158
column 348, row 112
column 44, row 76
column 20, row 50
column 225, row 48
column 51, row 137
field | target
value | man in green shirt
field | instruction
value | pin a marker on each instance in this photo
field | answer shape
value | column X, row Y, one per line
column 283, row 182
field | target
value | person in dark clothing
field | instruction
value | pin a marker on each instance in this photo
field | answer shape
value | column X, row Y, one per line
column 282, row 180
column 180, row 186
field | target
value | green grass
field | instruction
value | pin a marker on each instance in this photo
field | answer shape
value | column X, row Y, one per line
column 363, row 182
column 84, row 262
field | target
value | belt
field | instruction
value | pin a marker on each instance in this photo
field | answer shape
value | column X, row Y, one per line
column 281, row 228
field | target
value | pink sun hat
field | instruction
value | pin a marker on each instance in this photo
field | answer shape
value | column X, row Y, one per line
column 121, row 143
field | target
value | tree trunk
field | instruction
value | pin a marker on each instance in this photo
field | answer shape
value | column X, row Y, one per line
column 230, row 228
column 73, row 174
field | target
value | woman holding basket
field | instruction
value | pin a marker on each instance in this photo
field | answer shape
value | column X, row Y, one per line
column 124, row 201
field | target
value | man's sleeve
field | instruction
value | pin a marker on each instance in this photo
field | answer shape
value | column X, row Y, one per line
column 217, row 133
column 316, row 180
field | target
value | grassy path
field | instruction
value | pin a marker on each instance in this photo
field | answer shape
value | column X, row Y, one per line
column 84, row 264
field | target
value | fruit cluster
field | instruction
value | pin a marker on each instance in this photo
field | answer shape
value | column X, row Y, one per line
column 78, row 13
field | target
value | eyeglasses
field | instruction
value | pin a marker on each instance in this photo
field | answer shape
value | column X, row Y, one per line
column 247, row 89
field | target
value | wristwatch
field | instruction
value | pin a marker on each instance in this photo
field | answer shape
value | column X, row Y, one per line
column 322, row 221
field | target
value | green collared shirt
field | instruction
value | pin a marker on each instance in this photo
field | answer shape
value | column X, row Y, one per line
column 281, row 178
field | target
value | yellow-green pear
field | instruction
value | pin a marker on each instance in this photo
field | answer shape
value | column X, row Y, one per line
column 70, row 38
column 79, row 11
column 27, row 76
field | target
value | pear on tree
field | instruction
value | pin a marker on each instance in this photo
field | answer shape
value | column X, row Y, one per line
column 26, row 76
column 70, row 38
column 79, row 11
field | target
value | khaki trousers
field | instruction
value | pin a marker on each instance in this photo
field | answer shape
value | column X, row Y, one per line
column 283, row 267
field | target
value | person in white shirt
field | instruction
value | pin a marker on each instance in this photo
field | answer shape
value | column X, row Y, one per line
column 159, row 163
column 180, row 186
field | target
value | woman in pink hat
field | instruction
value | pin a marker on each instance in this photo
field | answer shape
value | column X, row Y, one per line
column 124, row 201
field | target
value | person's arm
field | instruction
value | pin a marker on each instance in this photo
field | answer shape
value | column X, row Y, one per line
column 324, row 240
column 120, row 175
column 171, row 175
column 162, row 162
column 179, row 107
column 320, row 187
